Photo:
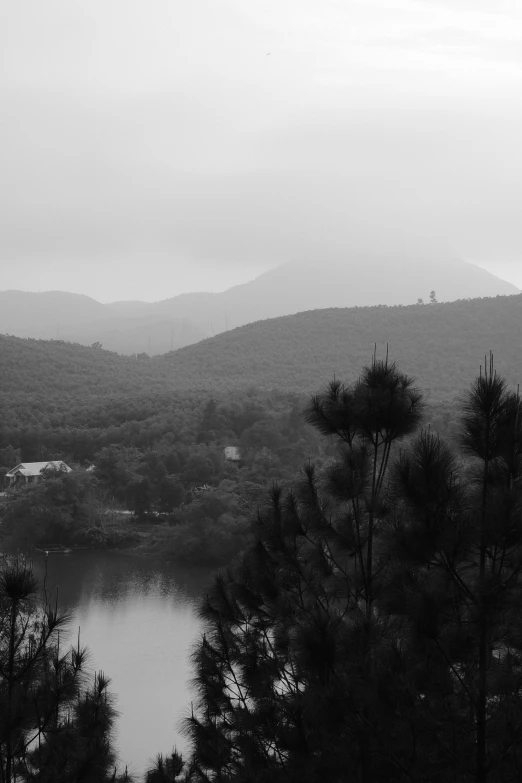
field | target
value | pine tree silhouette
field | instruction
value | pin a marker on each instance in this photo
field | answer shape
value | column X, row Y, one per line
column 55, row 727
column 372, row 631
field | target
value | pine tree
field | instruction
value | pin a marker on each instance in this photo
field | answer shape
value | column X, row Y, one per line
column 381, row 408
column 459, row 557
column 291, row 673
column 167, row 769
column 372, row 632
column 53, row 725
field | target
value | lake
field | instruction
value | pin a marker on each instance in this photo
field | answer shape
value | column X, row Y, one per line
column 138, row 617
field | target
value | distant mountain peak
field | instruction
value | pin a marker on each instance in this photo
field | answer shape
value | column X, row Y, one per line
column 363, row 276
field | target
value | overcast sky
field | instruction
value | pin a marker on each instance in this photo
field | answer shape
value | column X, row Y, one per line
column 151, row 147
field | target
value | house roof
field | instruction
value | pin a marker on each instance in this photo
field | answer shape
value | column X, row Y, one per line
column 35, row 468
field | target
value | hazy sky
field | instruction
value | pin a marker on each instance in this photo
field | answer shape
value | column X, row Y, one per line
column 151, row 147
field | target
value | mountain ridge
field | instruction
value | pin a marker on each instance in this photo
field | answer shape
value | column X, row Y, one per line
column 336, row 284
column 298, row 286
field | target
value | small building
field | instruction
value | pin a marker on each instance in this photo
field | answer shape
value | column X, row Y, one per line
column 232, row 453
column 28, row 472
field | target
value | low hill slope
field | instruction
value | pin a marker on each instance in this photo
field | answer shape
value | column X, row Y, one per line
column 53, row 371
column 442, row 345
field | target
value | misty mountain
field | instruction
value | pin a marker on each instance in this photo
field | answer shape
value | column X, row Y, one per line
column 441, row 345
column 366, row 279
column 128, row 308
column 45, row 314
column 123, row 327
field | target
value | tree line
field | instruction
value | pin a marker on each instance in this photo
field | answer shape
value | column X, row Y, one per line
column 181, row 449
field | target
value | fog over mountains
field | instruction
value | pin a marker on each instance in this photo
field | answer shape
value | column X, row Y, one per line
column 367, row 278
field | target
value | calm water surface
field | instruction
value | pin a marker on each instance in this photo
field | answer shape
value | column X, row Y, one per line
column 138, row 618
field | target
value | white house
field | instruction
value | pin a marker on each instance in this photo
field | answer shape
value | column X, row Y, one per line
column 232, row 453
column 31, row 471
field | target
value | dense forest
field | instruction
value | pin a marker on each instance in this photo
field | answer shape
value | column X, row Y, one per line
column 153, row 431
column 160, row 459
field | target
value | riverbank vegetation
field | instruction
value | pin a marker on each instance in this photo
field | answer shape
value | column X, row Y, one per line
column 165, row 487
column 151, row 472
column 162, row 484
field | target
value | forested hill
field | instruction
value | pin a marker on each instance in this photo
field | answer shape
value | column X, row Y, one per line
column 59, row 370
column 442, row 345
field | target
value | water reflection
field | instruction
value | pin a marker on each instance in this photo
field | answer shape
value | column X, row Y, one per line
column 138, row 618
